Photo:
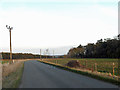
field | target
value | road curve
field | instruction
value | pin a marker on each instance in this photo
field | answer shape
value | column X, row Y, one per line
column 40, row 75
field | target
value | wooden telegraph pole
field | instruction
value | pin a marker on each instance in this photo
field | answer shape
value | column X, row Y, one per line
column 53, row 53
column 10, row 28
column 40, row 53
column 46, row 53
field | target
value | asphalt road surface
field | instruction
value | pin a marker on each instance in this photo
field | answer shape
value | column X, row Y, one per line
column 40, row 75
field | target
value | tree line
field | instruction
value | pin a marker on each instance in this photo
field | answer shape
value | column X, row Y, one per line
column 23, row 56
column 107, row 48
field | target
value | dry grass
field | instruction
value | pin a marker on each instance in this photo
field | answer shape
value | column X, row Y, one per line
column 9, row 68
column 103, row 65
column 11, row 74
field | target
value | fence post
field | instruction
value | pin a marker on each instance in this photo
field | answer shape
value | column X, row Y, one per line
column 96, row 67
column 86, row 64
column 92, row 68
column 56, row 61
column 113, row 68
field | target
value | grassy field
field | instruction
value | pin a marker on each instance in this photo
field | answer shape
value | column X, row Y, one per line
column 97, row 75
column 11, row 75
column 103, row 65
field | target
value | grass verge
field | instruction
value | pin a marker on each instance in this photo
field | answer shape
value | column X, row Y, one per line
column 13, row 79
column 116, row 82
column 103, row 65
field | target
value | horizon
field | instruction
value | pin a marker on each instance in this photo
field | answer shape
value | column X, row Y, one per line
column 57, row 50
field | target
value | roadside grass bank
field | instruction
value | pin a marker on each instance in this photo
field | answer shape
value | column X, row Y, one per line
column 88, row 73
column 12, row 74
column 103, row 65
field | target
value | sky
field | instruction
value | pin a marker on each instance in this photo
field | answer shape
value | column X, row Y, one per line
column 56, row 24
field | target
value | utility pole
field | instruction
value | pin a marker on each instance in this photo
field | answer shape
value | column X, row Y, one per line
column 40, row 53
column 10, row 28
column 46, row 53
column 53, row 53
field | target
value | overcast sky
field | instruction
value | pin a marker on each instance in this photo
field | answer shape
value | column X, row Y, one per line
column 56, row 23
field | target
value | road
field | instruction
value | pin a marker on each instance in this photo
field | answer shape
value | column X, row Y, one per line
column 40, row 75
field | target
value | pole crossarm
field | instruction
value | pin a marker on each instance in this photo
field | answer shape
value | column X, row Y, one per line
column 8, row 27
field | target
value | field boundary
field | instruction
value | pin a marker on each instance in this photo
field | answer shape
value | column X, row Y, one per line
column 82, row 73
